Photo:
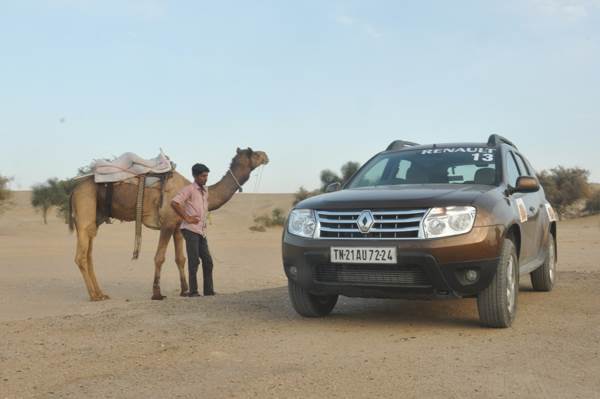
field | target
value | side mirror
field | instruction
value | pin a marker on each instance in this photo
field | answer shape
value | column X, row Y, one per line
column 527, row 184
column 336, row 186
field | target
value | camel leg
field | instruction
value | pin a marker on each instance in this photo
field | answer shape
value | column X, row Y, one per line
column 83, row 203
column 180, row 260
column 81, row 259
column 159, row 259
column 92, row 274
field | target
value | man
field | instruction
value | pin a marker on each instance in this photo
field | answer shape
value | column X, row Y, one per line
column 191, row 204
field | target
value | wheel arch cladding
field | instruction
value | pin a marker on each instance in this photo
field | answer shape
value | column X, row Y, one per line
column 514, row 233
column 553, row 231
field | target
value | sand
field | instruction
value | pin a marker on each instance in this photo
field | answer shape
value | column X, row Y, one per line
column 248, row 342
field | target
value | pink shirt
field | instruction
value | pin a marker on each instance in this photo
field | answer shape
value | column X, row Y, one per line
column 194, row 199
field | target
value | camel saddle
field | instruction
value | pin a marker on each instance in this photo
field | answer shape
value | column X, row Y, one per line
column 130, row 168
column 130, row 165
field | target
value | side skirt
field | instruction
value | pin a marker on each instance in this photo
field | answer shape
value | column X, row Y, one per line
column 532, row 264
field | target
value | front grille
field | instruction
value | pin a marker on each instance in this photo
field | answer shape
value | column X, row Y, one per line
column 380, row 275
column 397, row 224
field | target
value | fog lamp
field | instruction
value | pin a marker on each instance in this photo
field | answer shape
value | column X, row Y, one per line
column 293, row 270
column 471, row 275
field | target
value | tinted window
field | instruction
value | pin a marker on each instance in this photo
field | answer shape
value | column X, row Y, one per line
column 447, row 165
column 373, row 175
column 512, row 171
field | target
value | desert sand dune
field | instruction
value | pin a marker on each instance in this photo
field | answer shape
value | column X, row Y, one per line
column 248, row 342
column 38, row 272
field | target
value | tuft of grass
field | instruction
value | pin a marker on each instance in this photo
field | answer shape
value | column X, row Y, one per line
column 259, row 229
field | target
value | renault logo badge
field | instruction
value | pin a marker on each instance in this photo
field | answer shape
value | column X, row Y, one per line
column 365, row 221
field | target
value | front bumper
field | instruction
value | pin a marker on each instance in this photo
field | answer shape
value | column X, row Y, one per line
column 424, row 268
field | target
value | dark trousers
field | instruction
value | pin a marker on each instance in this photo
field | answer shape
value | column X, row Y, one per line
column 197, row 248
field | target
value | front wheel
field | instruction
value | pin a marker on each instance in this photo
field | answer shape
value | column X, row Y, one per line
column 543, row 278
column 497, row 304
column 310, row 305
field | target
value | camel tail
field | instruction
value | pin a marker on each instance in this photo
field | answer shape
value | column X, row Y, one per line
column 71, row 220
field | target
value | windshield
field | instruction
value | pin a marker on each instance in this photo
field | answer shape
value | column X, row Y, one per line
column 442, row 165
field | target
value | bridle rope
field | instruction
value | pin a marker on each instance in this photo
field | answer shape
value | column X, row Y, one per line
column 235, row 180
column 256, row 186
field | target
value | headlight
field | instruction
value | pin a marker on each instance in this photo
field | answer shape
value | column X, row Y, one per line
column 449, row 221
column 302, row 223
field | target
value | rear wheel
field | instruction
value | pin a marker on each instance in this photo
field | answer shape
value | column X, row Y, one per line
column 497, row 304
column 310, row 305
column 543, row 278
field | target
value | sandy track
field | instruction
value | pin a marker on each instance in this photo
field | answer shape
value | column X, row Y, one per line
column 247, row 342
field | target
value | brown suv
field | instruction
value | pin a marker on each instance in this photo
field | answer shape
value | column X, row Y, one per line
column 440, row 220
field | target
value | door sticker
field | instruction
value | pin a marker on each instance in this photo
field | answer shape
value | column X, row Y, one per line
column 550, row 212
column 522, row 210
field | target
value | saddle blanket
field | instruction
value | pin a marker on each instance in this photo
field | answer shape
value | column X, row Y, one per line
column 129, row 165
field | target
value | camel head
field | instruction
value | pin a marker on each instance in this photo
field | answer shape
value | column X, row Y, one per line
column 250, row 159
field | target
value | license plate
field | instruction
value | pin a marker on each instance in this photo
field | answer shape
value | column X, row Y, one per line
column 363, row 255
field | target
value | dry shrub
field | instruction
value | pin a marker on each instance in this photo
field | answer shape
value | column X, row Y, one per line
column 565, row 186
column 259, row 229
column 5, row 193
column 262, row 222
column 593, row 203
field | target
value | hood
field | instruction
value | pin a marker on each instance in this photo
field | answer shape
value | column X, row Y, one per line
column 396, row 197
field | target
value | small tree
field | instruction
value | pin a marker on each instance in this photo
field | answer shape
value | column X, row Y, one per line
column 564, row 186
column 327, row 177
column 5, row 193
column 49, row 194
column 348, row 169
column 63, row 197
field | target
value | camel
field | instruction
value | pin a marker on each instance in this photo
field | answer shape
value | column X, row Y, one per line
column 87, row 214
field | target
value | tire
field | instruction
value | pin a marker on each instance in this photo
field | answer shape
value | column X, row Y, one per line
column 309, row 305
column 497, row 304
column 544, row 277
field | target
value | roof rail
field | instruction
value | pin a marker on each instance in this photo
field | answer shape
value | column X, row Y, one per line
column 399, row 144
column 496, row 139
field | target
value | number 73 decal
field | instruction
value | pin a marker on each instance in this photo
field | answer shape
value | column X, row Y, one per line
column 483, row 157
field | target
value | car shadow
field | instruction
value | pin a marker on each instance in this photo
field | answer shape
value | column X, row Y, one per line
column 273, row 304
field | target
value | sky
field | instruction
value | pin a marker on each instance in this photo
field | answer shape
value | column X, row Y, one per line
column 314, row 83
